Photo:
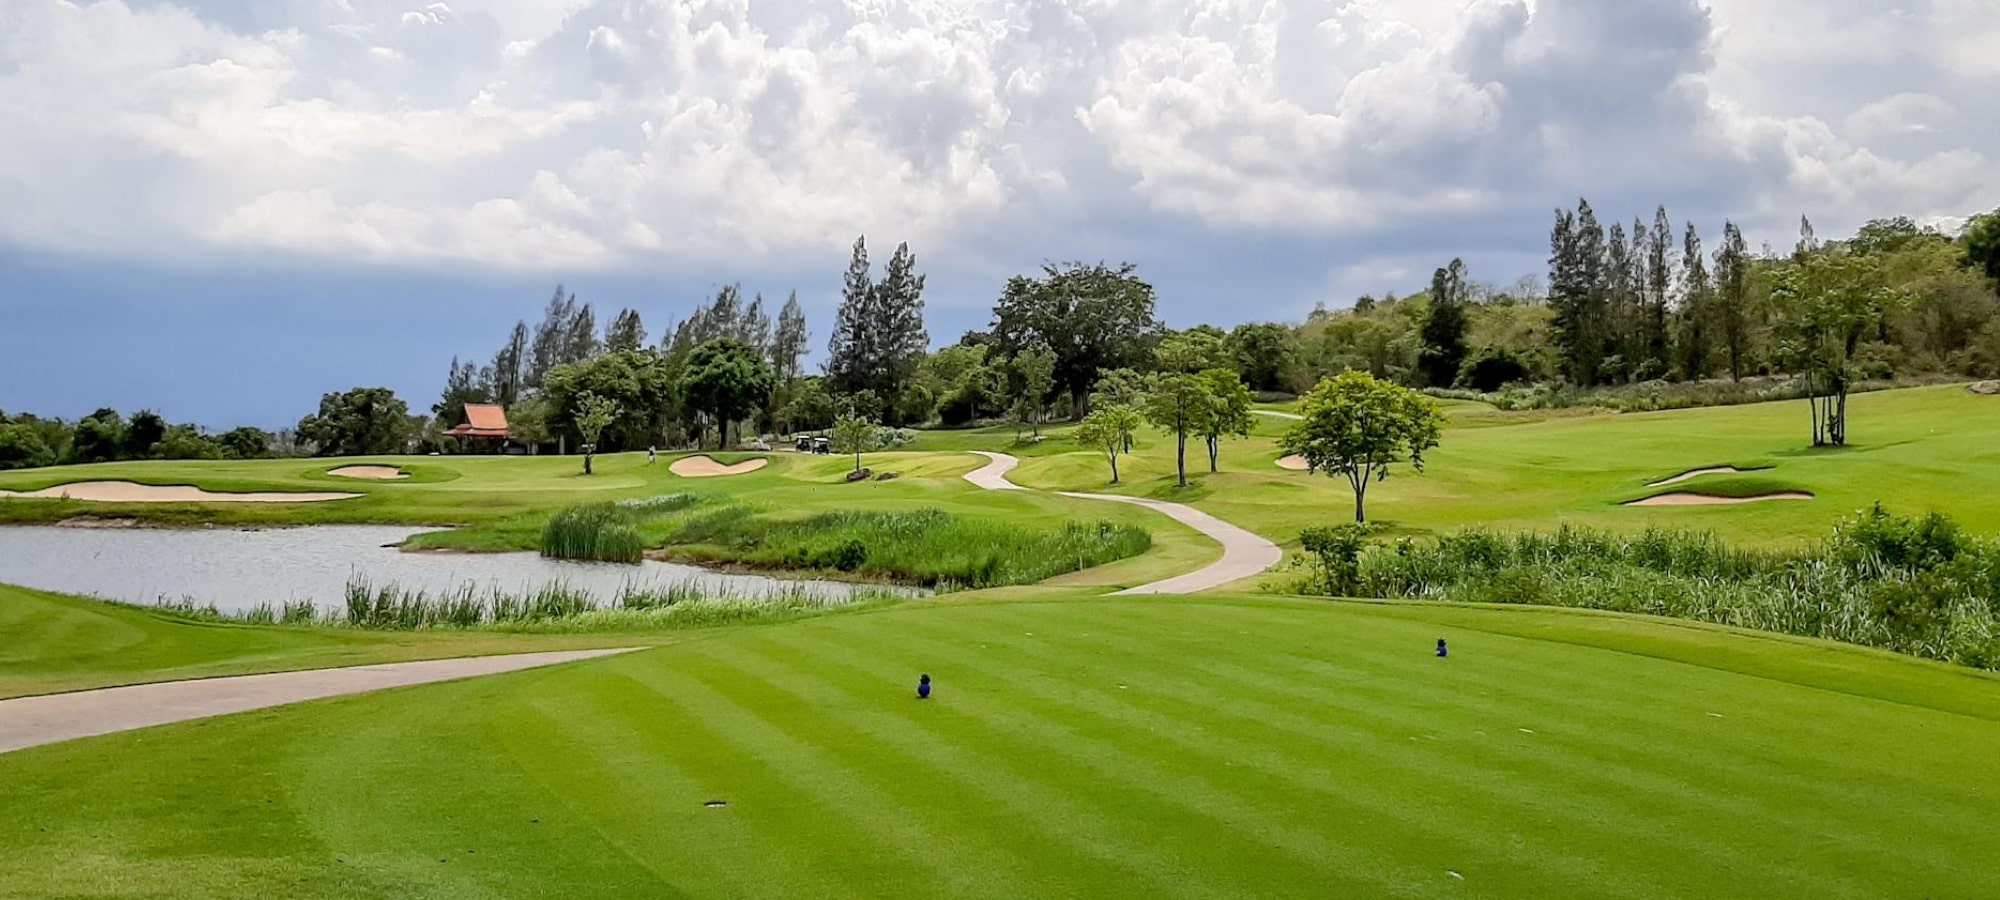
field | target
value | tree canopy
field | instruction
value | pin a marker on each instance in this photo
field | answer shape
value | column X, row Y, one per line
column 1092, row 317
column 358, row 422
column 1357, row 427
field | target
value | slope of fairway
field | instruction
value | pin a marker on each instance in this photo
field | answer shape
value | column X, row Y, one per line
column 1915, row 450
column 1200, row 748
column 51, row 643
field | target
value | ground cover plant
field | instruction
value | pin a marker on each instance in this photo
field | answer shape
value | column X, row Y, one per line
column 1916, row 585
column 1168, row 747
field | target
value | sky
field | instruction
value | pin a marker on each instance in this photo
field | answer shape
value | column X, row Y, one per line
column 221, row 209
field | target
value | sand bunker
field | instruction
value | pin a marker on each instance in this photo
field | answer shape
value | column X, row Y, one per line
column 378, row 473
column 1693, row 474
column 704, row 467
column 129, row 492
column 1294, row 463
column 1687, row 499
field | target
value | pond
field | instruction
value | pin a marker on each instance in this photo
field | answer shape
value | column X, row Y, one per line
column 236, row 570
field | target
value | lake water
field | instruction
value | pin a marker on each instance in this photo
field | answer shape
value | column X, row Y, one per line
column 237, row 570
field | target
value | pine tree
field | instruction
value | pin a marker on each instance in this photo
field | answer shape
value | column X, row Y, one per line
column 510, row 366
column 788, row 343
column 580, row 337
column 1659, row 287
column 850, row 352
column 1595, row 315
column 1808, row 241
column 1732, row 262
column 1569, row 296
column 1697, row 305
column 626, row 332
column 1621, row 303
column 902, row 339
column 550, row 337
column 1444, row 330
column 754, row 329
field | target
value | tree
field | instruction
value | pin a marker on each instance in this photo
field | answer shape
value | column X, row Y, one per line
column 359, row 422
column 788, row 345
column 1034, row 370
column 1120, row 387
column 22, row 447
column 510, row 367
column 1732, row 279
column 627, row 332
column 99, row 437
column 186, row 442
column 856, row 435
column 879, row 334
column 1659, row 285
column 1444, row 329
column 580, row 335
column 461, row 386
column 551, row 338
column 727, row 379
column 1109, row 430
column 1264, row 354
column 528, row 422
column 1982, row 245
column 1697, row 305
column 592, row 415
column 1828, row 303
column 1577, row 292
column 245, row 443
column 811, row 407
column 145, row 431
column 1197, row 349
column 1357, row 427
column 1177, row 403
column 1228, row 413
column 1093, row 317
column 644, row 385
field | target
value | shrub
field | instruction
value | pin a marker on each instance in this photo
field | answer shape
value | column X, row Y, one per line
column 1337, row 551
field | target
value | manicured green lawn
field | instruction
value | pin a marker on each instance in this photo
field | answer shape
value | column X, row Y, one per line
column 1915, row 450
column 51, row 643
column 1199, row 747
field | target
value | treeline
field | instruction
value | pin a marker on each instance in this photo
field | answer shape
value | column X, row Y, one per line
column 29, row 441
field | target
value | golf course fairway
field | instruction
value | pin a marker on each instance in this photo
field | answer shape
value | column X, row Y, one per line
column 1201, row 747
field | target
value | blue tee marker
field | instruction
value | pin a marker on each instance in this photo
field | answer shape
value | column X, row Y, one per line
column 1441, row 649
column 923, row 687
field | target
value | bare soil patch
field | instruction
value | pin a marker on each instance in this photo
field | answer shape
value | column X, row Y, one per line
column 130, row 492
column 1693, row 474
column 1294, row 463
column 706, row 467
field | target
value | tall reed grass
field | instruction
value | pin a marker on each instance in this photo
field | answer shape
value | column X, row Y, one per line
column 929, row 547
column 593, row 531
column 1915, row 585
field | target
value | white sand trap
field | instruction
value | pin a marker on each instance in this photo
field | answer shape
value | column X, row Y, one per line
column 704, row 467
column 1294, row 463
column 378, row 473
column 1693, row 474
column 1687, row 499
column 128, row 492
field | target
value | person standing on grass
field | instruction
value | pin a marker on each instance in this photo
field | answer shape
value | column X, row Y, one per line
column 652, row 454
column 923, row 687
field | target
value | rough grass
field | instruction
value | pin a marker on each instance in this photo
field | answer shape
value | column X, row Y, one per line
column 1912, row 585
column 929, row 547
column 1160, row 747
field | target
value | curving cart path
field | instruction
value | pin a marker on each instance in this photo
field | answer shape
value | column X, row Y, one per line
column 34, row 721
column 1243, row 554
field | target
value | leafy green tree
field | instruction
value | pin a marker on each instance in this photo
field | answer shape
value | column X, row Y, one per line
column 592, row 415
column 1228, row 413
column 1109, row 429
column 22, row 447
column 727, row 379
column 358, row 422
column 1982, row 245
column 1357, row 427
column 528, row 422
column 1827, row 304
column 186, row 442
column 1093, row 317
column 245, row 443
column 856, row 435
column 878, row 334
column 811, row 407
column 1263, row 354
column 1579, row 292
column 1178, row 403
column 99, row 437
column 1119, row 387
column 143, row 433
column 1444, row 329
column 642, row 382
column 1034, row 370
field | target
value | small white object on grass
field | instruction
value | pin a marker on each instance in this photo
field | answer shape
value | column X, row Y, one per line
column 1524, row 730
column 1715, row 715
column 1454, row 874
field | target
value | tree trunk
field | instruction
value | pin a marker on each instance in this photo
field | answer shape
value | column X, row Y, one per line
column 1114, row 468
column 1214, row 452
column 1180, row 457
column 586, row 462
column 1360, row 495
column 857, row 462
